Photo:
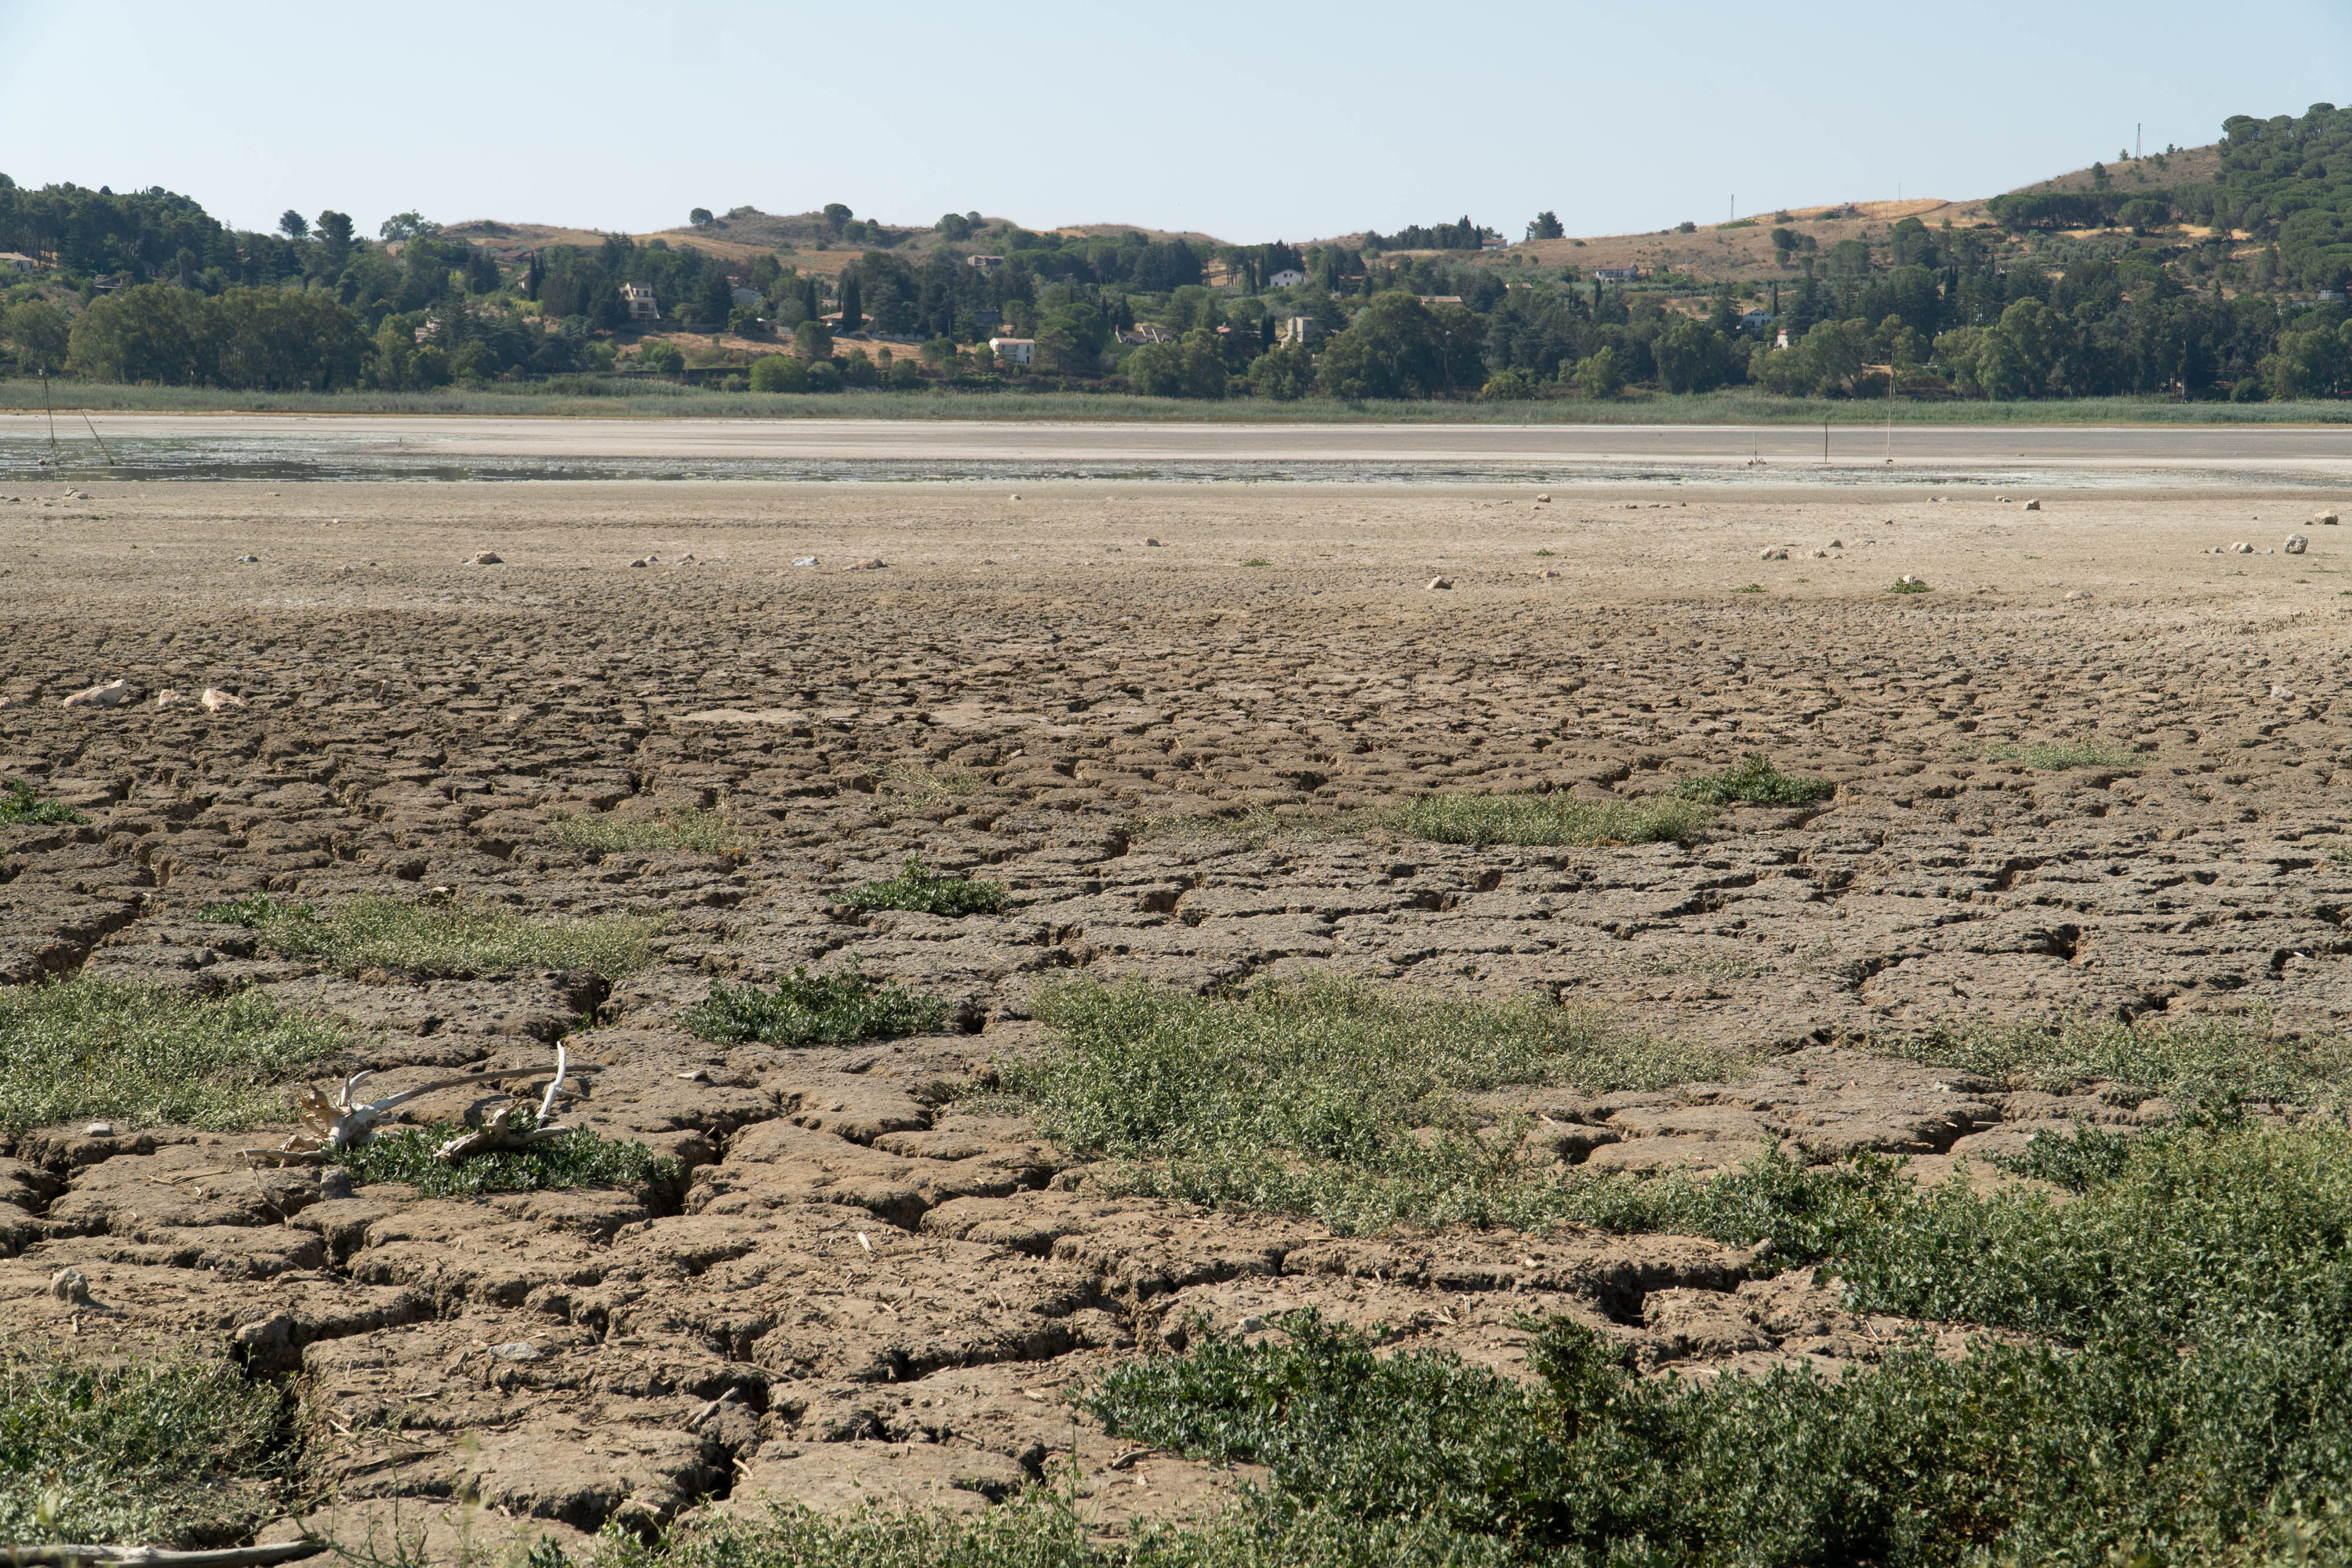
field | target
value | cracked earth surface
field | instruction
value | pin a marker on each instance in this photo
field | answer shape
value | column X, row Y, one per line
column 861, row 1290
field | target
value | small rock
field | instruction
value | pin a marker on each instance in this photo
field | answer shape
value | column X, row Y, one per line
column 334, row 1183
column 487, row 557
column 1546, row 571
column 1016, row 497
column 520, row 1350
column 1773, row 552
column 640, row 563
column 872, row 563
column 248, row 559
column 2242, row 548
column 2296, row 544
column 797, row 560
column 1544, row 495
column 1821, row 555
column 215, row 699
column 1153, row 544
column 2076, row 593
column 174, row 699
column 113, row 693
column 1252, row 1324
column 2279, row 694
column 1437, row 583
column 69, row 1285
column 98, row 1130
column 1840, row 544
column 2033, row 506
column 2325, row 519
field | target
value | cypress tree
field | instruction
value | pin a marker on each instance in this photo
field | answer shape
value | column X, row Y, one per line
column 852, row 316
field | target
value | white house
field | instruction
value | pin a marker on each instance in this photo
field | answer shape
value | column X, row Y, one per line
column 1298, row 329
column 17, row 261
column 639, row 298
column 983, row 262
column 1017, row 350
column 1287, row 278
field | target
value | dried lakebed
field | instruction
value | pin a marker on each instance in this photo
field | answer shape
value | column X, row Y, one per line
column 873, row 1278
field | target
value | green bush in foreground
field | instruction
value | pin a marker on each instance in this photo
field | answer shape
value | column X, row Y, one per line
column 2185, row 1393
column 1333, row 1099
column 172, row 1452
column 143, row 1057
column 927, row 892
column 460, row 941
column 2050, row 756
column 813, row 1009
column 602, row 834
column 23, row 807
column 577, row 1158
column 1549, row 820
column 1753, row 782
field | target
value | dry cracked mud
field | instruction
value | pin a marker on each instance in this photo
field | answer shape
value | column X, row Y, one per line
column 861, row 1289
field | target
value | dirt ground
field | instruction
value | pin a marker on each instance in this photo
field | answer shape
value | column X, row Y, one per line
column 862, row 1290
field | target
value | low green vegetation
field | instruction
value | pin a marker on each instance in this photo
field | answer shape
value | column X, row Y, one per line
column 138, row 1056
column 24, row 807
column 1333, row 1099
column 934, row 784
column 460, row 941
column 602, row 834
column 1906, row 585
column 1753, row 782
column 2208, row 1061
column 2187, row 1323
column 1549, row 820
column 813, row 1009
column 2050, row 755
column 577, row 1158
column 171, row 1452
column 1256, row 560
column 923, row 891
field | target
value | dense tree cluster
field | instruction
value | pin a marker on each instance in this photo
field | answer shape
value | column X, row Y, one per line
column 2231, row 286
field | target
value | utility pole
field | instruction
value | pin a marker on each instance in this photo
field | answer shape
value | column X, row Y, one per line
column 2135, row 131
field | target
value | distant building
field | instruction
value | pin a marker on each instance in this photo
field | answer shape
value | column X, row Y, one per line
column 17, row 261
column 751, row 296
column 640, row 301
column 1617, row 273
column 1439, row 298
column 983, row 262
column 1147, row 332
column 1781, row 340
column 1288, row 278
column 1493, row 242
column 1020, row 351
column 1755, row 321
column 1298, row 329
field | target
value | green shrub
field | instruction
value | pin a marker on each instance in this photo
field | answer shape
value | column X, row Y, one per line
column 140, row 1056
column 1755, row 781
column 23, row 807
column 577, row 1158
column 2190, row 1321
column 1549, row 820
column 171, row 1452
column 1332, row 1098
column 461, row 941
column 927, row 892
column 1906, row 585
column 813, row 1009
column 602, row 834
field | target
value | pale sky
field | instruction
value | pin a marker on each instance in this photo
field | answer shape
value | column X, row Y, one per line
column 1250, row 122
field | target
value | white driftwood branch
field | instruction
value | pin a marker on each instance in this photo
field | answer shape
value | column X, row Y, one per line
column 501, row 1134
column 330, row 1127
column 141, row 1556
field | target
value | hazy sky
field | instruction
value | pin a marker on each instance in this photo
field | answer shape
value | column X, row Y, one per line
column 1250, row 122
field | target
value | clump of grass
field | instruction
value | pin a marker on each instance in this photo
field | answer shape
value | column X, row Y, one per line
column 1549, row 820
column 2206, row 1060
column 1750, row 588
column 1753, row 781
column 1256, row 560
column 1906, row 585
column 2083, row 752
column 23, row 807
column 140, row 1056
column 460, row 941
column 577, row 1158
column 934, row 784
column 927, row 892
column 602, row 834
column 813, row 1009
column 1327, row 1097
column 173, row 1451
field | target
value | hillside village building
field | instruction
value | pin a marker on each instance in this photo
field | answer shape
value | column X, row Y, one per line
column 1017, row 350
column 639, row 299
column 1286, row 277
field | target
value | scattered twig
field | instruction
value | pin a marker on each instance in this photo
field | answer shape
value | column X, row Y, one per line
column 108, row 1556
